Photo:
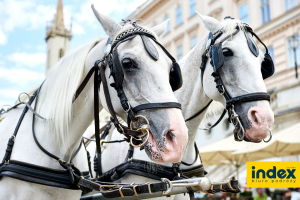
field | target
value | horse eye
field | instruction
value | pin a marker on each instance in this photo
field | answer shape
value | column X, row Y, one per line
column 127, row 63
column 227, row 52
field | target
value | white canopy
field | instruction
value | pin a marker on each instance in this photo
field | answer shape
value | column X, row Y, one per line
column 284, row 143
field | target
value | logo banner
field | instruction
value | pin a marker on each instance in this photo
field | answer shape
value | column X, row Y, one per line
column 273, row 174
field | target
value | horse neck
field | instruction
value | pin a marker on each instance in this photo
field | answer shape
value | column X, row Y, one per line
column 82, row 116
column 191, row 95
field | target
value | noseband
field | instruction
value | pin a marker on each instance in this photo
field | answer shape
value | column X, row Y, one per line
column 214, row 52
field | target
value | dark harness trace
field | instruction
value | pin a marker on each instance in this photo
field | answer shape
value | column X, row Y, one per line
column 215, row 53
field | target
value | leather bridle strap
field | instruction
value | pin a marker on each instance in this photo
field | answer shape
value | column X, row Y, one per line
column 196, row 156
column 156, row 105
column 122, row 129
column 199, row 112
column 249, row 97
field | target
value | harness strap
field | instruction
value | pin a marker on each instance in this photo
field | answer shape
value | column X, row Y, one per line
column 196, row 156
column 199, row 112
column 76, row 152
column 74, row 173
column 149, row 170
column 37, row 174
column 249, row 97
column 11, row 140
column 156, row 105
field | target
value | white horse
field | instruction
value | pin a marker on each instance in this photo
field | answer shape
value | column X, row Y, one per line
column 241, row 75
column 145, row 81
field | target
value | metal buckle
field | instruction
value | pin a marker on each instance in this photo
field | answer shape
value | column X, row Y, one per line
column 120, row 191
column 223, row 89
column 149, row 188
column 170, row 186
column 134, row 190
column 103, row 141
column 106, row 186
column 129, row 107
column 107, row 50
column 121, row 129
column 234, row 118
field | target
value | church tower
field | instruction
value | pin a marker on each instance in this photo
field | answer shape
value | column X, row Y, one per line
column 57, row 37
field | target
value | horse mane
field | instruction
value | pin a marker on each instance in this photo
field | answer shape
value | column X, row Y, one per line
column 230, row 26
column 216, row 108
column 62, row 81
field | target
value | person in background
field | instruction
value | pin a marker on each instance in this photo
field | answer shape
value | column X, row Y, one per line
column 261, row 195
column 288, row 193
column 295, row 194
column 268, row 192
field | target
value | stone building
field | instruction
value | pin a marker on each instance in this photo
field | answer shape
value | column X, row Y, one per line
column 57, row 37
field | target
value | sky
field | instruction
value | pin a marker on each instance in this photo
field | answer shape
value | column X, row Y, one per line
column 23, row 31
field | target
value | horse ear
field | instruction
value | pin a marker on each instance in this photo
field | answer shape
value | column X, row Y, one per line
column 110, row 26
column 211, row 24
column 161, row 28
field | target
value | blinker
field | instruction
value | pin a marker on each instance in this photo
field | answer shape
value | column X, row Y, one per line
column 217, row 56
column 175, row 76
column 251, row 44
column 117, row 69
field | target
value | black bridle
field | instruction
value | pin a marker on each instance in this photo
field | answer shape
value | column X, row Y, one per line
column 111, row 59
column 214, row 52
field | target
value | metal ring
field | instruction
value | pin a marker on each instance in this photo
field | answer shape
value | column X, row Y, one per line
column 20, row 96
column 222, row 93
column 144, row 130
column 269, row 138
column 9, row 106
column 170, row 186
column 103, row 141
column 141, row 116
column 142, row 144
column 121, row 129
column 129, row 107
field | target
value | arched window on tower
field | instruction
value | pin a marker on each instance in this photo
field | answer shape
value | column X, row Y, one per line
column 61, row 53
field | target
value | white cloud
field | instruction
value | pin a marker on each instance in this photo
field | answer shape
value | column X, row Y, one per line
column 3, row 38
column 21, row 76
column 28, row 59
column 14, row 14
column 77, row 29
column 10, row 93
column 111, row 7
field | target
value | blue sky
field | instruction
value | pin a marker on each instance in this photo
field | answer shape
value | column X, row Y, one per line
column 23, row 31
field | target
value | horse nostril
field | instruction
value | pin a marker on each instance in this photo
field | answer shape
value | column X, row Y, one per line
column 253, row 116
column 170, row 135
